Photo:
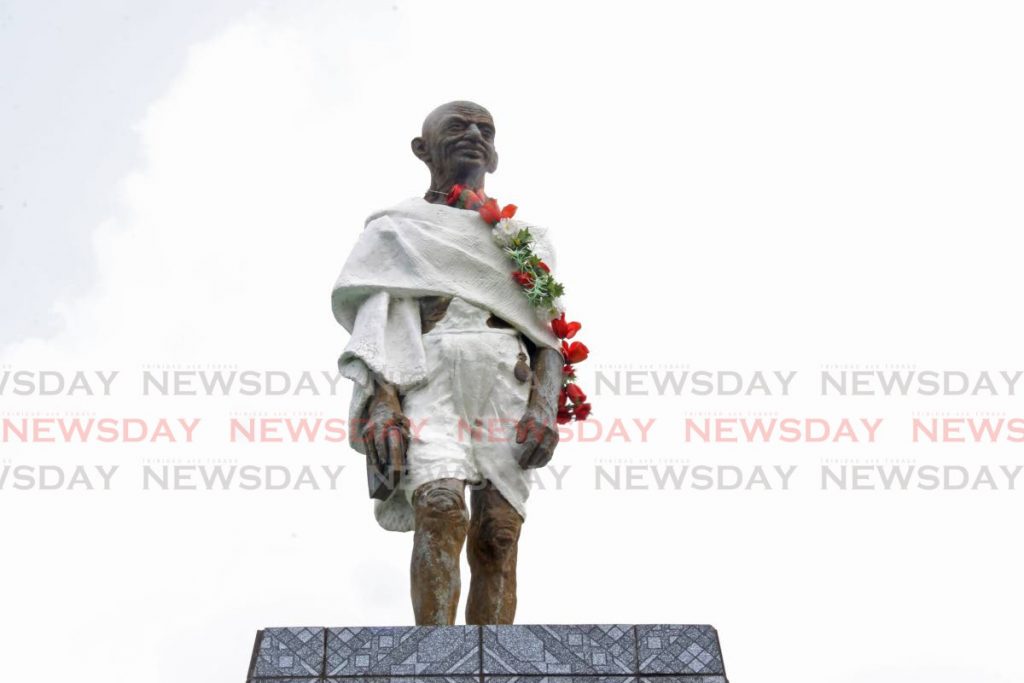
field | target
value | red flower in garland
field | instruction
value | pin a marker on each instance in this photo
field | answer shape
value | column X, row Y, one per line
column 576, row 352
column 575, row 394
column 491, row 213
column 454, row 194
column 568, row 413
column 524, row 279
column 563, row 329
column 543, row 266
column 471, row 199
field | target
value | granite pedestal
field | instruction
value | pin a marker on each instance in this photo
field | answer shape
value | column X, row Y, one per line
column 519, row 653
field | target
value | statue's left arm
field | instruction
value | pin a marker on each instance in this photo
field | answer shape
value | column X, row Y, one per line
column 537, row 431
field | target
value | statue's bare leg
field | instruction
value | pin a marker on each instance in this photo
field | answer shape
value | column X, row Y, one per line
column 441, row 525
column 493, row 545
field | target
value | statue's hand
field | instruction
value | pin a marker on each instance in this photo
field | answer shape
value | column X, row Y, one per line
column 538, row 435
column 385, row 435
column 538, row 431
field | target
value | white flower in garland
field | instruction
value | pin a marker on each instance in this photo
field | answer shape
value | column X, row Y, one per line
column 559, row 306
column 557, row 309
column 504, row 230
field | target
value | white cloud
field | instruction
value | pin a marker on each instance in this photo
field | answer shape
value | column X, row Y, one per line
column 725, row 188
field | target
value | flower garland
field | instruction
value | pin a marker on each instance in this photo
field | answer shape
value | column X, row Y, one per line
column 538, row 284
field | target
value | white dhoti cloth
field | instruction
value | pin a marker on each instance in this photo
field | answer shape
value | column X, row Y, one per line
column 463, row 417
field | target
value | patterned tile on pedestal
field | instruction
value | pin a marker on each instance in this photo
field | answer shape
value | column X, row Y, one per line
column 296, row 652
column 285, row 680
column 405, row 679
column 677, row 649
column 536, row 650
column 403, row 651
column 685, row 679
column 559, row 679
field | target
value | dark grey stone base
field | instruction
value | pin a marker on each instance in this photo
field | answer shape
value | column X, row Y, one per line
column 520, row 653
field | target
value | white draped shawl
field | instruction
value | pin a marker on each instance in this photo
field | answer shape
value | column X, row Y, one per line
column 412, row 250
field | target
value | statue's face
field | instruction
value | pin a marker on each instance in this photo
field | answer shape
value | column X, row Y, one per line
column 458, row 141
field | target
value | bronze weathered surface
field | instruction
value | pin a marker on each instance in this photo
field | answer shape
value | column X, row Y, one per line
column 457, row 145
column 432, row 310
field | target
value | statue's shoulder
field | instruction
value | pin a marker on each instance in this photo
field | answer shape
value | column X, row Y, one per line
column 416, row 212
column 538, row 230
column 413, row 208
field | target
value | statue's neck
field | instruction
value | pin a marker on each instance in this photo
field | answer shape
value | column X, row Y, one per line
column 440, row 187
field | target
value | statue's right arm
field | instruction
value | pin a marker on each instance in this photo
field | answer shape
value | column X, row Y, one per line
column 386, row 432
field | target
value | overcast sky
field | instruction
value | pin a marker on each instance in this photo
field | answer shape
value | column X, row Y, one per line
column 76, row 80
column 730, row 186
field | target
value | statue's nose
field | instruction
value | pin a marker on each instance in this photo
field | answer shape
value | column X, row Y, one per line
column 474, row 131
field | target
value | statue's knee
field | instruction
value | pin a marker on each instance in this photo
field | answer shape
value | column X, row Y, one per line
column 496, row 537
column 441, row 506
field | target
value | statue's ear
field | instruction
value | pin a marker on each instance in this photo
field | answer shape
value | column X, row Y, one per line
column 419, row 148
column 493, row 166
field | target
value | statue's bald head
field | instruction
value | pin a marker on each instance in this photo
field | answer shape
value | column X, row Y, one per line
column 458, row 108
column 457, row 143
